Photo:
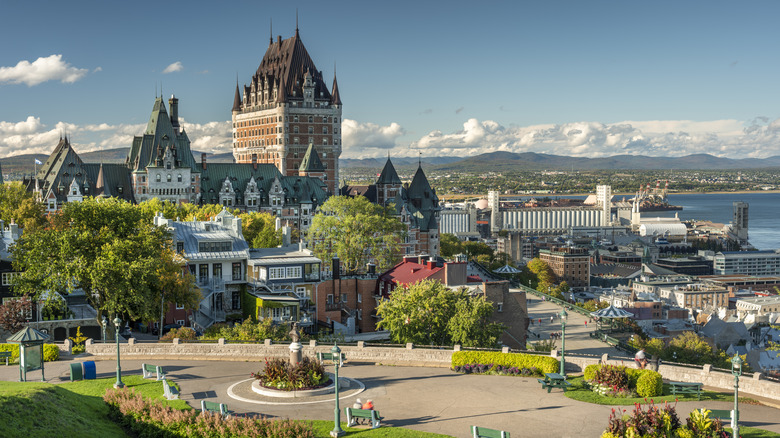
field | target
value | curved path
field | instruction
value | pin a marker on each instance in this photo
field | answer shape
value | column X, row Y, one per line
column 429, row 399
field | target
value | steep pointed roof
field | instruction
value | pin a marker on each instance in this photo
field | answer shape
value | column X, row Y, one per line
column 284, row 64
column 311, row 161
column 237, row 100
column 388, row 175
column 335, row 98
column 159, row 136
column 281, row 96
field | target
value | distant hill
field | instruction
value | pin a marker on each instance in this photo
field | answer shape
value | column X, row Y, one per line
column 397, row 161
column 507, row 161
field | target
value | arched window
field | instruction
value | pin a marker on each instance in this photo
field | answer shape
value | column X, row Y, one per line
column 179, row 177
column 169, row 177
column 159, row 178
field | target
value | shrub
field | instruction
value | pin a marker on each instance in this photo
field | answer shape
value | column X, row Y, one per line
column 183, row 333
column 590, row 372
column 251, row 331
column 545, row 364
column 51, row 352
column 649, row 384
column 78, row 342
column 144, row 417
column 612, row 376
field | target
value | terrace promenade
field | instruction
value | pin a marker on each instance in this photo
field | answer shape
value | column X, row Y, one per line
column 428, row 399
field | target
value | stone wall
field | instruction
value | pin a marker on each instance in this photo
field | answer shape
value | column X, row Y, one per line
column 409, row 356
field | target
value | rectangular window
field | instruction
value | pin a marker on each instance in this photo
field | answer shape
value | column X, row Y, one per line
column 216, row 269
column 294, row 272
column 179, row 306
column 180, row 322
column 179, row 246
column 213, row 246
column 311, row 270
column 275, row 273
column 236, row 300
column 330, row 299
column 8, row 278
column 237, row 271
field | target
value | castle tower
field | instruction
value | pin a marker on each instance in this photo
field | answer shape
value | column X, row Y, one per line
column 286, row 107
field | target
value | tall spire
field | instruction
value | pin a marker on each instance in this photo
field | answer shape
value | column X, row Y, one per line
column 271, row 41
column 296, row 21
column 335, row 98
column 237, row 99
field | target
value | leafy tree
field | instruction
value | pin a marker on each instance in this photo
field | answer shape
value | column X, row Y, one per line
column 260, row 231
column 450, row 245
column 14, row 313
column 19, row 206
column 430, row 314
column 545, row 277
column 110, row 250
column 475, row 249
column 356, row 231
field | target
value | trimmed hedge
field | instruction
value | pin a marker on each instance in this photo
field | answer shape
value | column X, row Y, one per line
column 545, row 364
column 51, row 352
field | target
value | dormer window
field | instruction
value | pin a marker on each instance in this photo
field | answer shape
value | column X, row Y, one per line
column 168, row 165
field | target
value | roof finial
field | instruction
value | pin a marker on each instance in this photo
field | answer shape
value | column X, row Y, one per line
column 155, row 90
column 296, row 21
column 419, row 162
column 271, row 41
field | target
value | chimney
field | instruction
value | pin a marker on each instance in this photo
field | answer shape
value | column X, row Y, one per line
column 336, row 268
column 254, row 161
column 203, row 160
column 279, row 39
column 286, row 235
column 173, row 102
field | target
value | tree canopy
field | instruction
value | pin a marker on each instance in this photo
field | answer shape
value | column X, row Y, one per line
column 260, row 231
column 428, row 313
column 19, row 206
column 110, row 250
column 450, row 245
column 545, row 277
column 357, row 231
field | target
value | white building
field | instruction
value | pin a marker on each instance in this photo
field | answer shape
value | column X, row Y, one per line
column 747, row 262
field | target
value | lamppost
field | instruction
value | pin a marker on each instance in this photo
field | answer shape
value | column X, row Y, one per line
column 118, row 384
column 563, row 316
column 104, row 323
column 736, row 370
column 337, row 431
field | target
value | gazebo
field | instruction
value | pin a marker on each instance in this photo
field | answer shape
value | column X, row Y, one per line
column 30, row 351
column 506, row 269
column 610, row 313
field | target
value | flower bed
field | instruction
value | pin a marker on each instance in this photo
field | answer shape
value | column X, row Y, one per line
column 281, row 375
column 496, row 369
column 619, row 381
column 661, row 422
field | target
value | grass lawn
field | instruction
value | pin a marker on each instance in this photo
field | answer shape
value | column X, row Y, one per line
column 579, row 392
column 76, row 409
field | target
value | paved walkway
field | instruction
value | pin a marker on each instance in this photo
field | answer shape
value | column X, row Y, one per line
column 429, row 399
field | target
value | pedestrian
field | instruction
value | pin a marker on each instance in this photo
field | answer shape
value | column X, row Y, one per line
column 358, row 405
column 640, row 359
column 552, row 319
column 586, row 323
column 540, row 321
column 368, row 405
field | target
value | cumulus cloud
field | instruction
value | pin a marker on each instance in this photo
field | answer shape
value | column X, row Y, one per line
column 51, row 68
column 725, row 138
column 215, row 137
column 362, row 138
column 176, row 66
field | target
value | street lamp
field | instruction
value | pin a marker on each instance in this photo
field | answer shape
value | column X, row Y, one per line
column 563, row 316
column 337, row 431
column 104, row 323
column 736, row 370
column 118, row 384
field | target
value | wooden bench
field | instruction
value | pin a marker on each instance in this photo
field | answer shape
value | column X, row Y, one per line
column 330, row 356
column 152, row 371
column 686, row 388
column 554, row 380
column 484, row 432
column 721, row 414
column 5, row 355
column 169, row 391
column 353, row 414
column 215, row 408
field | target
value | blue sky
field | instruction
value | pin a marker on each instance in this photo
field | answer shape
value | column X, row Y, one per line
column 592, row 78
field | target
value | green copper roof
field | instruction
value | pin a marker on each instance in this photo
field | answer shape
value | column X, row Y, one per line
column 28, row 334
column 389, row 175
column 311, row 161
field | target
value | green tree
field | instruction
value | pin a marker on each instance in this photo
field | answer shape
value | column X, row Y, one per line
column 260, row 231
column 19, row 206
column 545, row 277
column 430, row 314
column 111, row 251
column 450, row 245
column 358, row 232
column 475, row 249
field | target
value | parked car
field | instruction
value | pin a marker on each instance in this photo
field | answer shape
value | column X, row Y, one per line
column 169, row 327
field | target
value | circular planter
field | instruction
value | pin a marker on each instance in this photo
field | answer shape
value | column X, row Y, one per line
column 268, row 392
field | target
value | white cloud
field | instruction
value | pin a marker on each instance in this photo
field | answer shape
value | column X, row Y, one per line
column 51, row 68
column 213, row 137
column 97, row 69
column 725, row 138
column 176, row 66
column 362, row 139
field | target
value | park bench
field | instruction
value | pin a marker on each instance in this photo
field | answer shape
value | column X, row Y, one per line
column 721, row 414
column 153, row 371
column 686, row 388
column 554, row 380
column 353, row 414
column 5, row 355
column 215, row 408
column 484, row 432
column 169, row 391
column 331, row 357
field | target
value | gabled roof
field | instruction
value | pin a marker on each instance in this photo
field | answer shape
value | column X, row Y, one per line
column 311, row 161
column 420, row 201
column 157, row 139
column 388, row 175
